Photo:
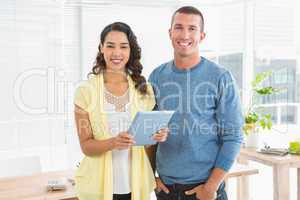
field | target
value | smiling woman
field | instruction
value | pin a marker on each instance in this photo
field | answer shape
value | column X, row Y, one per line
column 104, row 107
column 118, row 48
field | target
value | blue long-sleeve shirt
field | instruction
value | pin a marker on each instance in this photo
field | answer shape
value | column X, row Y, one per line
column 205, row 131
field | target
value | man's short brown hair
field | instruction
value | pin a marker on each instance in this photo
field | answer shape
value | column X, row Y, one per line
column 192, row 11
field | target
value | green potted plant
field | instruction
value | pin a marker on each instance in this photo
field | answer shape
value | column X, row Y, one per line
column 255, row 118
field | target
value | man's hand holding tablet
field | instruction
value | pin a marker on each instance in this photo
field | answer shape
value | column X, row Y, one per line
column 148, row 128
column 161, row 135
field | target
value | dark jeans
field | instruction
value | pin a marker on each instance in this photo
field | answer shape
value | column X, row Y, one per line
column 177, row 192
column 122, row 196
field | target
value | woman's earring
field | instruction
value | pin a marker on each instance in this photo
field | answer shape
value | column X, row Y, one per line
column 129, row 71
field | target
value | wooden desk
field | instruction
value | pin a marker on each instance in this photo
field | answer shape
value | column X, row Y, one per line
column 34, row 187
column 281, row 166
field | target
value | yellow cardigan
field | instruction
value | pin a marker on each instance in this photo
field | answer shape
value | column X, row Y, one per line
column 94, row 176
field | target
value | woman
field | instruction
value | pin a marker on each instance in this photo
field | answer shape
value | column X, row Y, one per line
column 112, row 168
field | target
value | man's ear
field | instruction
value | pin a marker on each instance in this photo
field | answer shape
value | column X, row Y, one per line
column 202, row 36
column 170, row 33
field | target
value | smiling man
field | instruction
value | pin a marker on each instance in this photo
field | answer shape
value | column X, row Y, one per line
column 205, row 131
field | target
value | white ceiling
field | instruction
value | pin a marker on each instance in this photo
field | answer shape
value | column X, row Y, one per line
column 156, row 3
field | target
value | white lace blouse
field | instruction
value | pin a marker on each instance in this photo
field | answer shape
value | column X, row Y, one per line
column 118, row 116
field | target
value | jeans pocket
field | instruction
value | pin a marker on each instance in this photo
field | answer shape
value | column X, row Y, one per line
column 222, row 196
column 161, row 195
column 190, row 197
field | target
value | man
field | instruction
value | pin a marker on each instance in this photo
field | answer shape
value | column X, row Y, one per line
column 205, row 131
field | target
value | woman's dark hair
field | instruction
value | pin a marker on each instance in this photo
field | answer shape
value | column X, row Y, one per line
column 133, row 67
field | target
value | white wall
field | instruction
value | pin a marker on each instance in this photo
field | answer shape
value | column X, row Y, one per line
column 31, row 34
column 151, row 30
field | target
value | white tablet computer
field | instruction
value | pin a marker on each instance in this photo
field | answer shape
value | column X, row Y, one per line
column 147, row 123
